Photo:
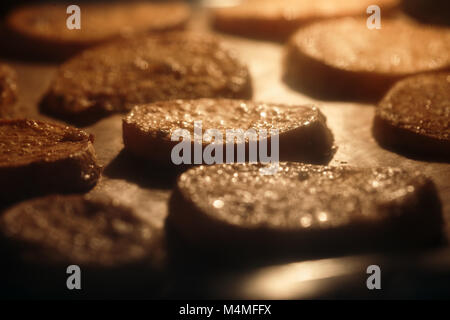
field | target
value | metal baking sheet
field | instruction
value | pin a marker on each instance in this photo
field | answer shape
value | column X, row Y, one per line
column 148, row 192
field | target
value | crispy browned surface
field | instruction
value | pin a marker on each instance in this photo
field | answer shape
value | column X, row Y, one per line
column 344, row 58
column 276, row 19
column 26, row 141
column 305, row 207
column 81, row 230
column 43, row 26
column 303, row 134
column 116, row 76
column 38, row 157
column 415, row 115
column 8, row 89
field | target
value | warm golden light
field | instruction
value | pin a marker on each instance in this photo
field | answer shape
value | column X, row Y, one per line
column 295, row 280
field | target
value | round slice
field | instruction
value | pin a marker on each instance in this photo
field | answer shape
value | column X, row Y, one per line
column 43, row 27
column 276, row 19
column 38, row 157
column 83, row 230
column 304, row 208
column 8, row 89
column 110, row 244
column 303, row 133
column 115, row 77
column 343, row 58
column 414, row 116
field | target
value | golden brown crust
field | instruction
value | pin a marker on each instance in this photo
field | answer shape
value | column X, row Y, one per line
column 8, row 89
column 43, row 26
column 39, row 158
column 344, row 58
column 303, row 134
column 117, row 76
column 414, row 115
column 278, row 19
column 305, row 208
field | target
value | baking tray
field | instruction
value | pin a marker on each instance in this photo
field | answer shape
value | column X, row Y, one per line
column 147, row 190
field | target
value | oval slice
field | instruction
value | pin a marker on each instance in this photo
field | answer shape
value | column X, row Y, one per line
column 43, row 27
column 38, row 157
column 414, row 116
column 83, row 230
column 278, row 19
column 115, row 77
column 302, row 130
column 304, row 209
column 343, row 58
column 114, row 248
column 8, row 89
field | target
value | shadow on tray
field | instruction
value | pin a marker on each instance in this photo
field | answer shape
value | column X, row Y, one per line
column 142, row 172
